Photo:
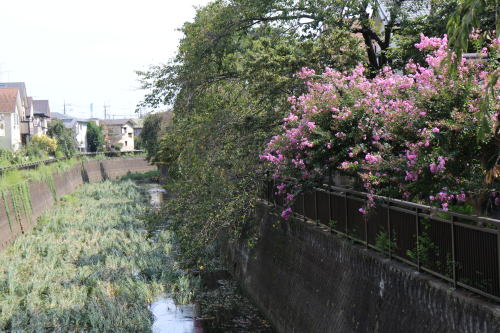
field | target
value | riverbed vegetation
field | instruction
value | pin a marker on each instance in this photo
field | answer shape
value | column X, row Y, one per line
column 89, row 265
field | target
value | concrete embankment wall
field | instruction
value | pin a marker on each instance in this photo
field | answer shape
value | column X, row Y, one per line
column 306, row 279
column 17, row 217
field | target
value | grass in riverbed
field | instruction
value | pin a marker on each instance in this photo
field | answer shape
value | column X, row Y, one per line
column 87, row 267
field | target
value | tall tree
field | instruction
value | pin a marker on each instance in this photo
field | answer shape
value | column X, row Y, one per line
column 66, row 142
column 95, row 137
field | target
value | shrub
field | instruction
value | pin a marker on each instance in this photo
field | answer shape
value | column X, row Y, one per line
column 66, row 143
column 419, row 136
column 44, row 143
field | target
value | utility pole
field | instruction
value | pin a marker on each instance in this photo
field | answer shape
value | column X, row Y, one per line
column 67, row 107
column 105, row 111
column 91, row 110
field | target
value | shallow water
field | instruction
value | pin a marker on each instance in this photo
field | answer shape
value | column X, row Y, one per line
column 172, row 318
column 156, row 195
column 169, row 317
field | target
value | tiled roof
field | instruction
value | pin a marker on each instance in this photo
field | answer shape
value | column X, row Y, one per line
column 41, row 107
column 19, row 85
column 116, row 122
column 69, row 121
column 138, row 123
column 8, row 99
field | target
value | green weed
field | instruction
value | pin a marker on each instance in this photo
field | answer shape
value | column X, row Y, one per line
column 88, row 266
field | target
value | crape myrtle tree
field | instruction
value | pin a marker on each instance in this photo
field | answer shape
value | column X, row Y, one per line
column 228, row 88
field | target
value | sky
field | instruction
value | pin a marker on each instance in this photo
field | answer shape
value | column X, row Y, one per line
column 78, row 53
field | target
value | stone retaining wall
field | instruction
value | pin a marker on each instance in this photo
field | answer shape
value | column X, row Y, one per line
column 42, row 197
column 306, row 279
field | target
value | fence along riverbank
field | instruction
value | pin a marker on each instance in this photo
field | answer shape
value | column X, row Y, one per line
column 461, row 249
column 23, row 203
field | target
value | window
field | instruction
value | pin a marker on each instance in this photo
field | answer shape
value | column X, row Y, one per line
column 2, row 125
column 124, row 130
column 130, row 135
column 125, row 143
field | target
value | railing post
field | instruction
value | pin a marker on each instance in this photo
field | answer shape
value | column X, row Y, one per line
column 272, row 193
column 346, row 215
column 304, row 206
column 330, row 212
column 417, row 228
column 389, row 231
column 498, row 255
column 453, row 254
column 316, row 206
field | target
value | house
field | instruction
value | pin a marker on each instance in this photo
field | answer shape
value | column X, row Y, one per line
column 138, row 125
column 41, row 115
column 119, row 134
column 380, row 15
column 78, row 125
column 26, row 117
column 11, row 111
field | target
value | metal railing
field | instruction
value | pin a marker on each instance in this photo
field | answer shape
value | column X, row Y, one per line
column 33, row 165
column 461, row 249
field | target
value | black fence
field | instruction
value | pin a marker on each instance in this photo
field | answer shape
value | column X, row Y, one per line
column 462, row 249
column 33, row 165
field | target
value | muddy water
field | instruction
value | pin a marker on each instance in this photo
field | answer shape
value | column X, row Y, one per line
column 169, row 317
column 156, row 194
column 173, row 318
column 219, row 307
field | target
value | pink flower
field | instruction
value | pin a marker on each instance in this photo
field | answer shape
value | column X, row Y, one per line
column 461, row 197
column 311, row 125
column 362, row 211
column 435, row 130
column 410, row 155
column 305, row 73
column 433, row 168
column 286, row 214
column 411, row 176
column 281, row 187
column 372, row 159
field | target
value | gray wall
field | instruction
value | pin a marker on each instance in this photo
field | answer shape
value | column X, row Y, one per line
column 307, row 280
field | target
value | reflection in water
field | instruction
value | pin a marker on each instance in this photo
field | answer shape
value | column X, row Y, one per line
column 172, row 318
column 156, row 194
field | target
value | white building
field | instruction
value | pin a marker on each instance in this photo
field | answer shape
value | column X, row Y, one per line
column 26, row 115
column 119, row 134
column 79, row 126
column 41, row 116
column 11, row 110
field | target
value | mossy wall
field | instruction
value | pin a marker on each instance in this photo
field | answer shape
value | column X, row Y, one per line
column 22, row 204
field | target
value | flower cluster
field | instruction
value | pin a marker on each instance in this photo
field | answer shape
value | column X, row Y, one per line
column 405, row 135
